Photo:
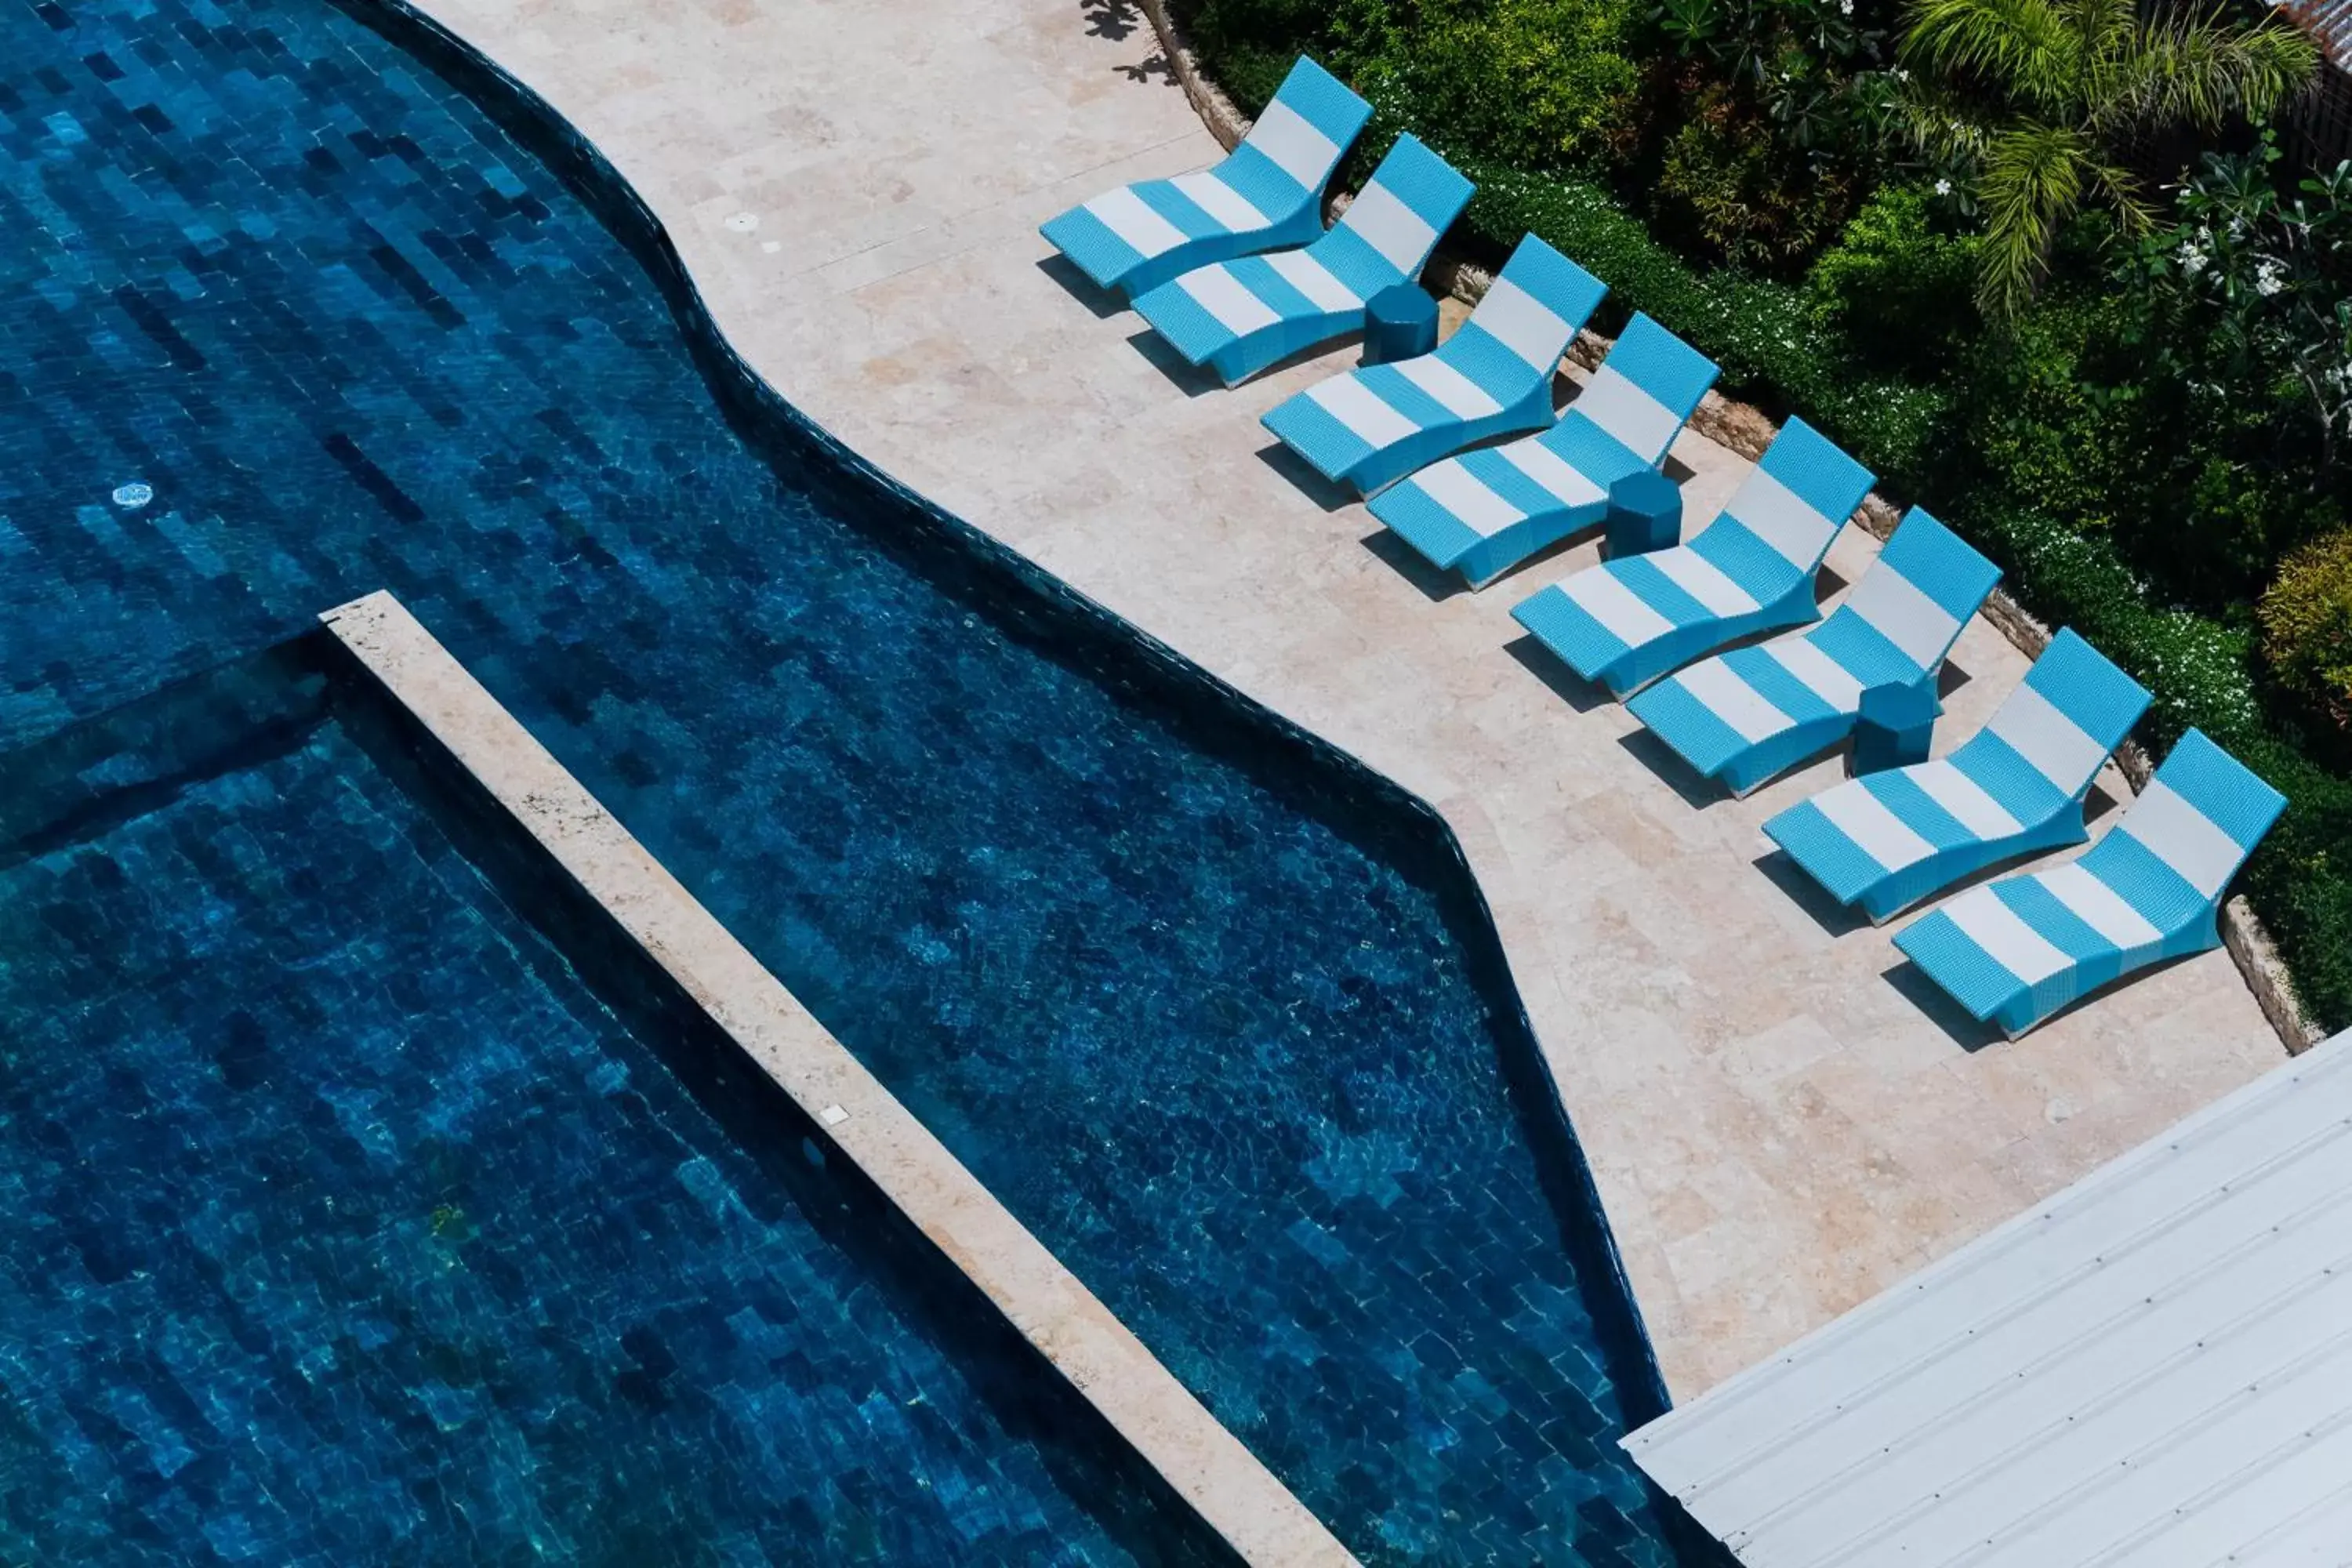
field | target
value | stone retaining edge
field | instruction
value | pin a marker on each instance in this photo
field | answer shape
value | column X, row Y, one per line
column 1746, row 429
column 1203, row 1463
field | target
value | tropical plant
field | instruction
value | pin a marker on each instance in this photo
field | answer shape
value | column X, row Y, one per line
column 1769, row 43
column 1812, row 70
column 1727, row 185
column 2270, row 274
column 2037, row 104
column 1766, row 123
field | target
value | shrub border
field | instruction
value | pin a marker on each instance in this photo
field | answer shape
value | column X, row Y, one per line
column 1746, row 430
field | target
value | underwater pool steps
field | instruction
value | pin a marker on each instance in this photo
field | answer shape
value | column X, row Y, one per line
column 1208, row 1467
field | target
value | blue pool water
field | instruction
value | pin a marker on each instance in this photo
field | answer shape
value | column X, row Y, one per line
column 1218, row 1018
column 346, row 1226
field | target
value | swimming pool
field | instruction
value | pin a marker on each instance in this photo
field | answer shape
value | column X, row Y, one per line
column 349, row 1226
column 1219, row 1016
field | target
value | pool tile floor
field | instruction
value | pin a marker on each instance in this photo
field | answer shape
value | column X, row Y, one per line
column 347, row 1226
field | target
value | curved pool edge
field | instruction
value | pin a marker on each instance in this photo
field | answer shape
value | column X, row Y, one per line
column 1421, row 837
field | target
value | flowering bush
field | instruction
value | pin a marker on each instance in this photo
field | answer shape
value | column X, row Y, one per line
column 2270, row 273
column 2049, row 107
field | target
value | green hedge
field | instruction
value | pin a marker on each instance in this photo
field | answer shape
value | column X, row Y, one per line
column 1775, row 349
column 1766, row 335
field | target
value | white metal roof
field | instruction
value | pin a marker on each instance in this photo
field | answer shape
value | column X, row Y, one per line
column 2152, row 1369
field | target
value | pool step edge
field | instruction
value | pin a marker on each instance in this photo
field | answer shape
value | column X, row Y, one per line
column 1210, row 1468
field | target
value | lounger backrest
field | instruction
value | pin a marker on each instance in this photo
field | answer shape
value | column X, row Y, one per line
column 2175, row 848
column 1291, row 151
column 1902, row 618
column 1780, row 521
column 2056, row 729
column 1645, row 389
column 1526, row 321
column 1388, row 231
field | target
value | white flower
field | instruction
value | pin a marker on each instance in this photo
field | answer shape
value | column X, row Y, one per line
column 1943, row 188
column 2193, row 260
column 1845, row 7
column 1901, row 75
column 2269, row 277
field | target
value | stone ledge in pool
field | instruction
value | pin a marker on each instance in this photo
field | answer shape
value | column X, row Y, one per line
column 376, row 1202
column 1206, row 1465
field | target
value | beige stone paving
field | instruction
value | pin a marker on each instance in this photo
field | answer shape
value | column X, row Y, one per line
column 1779, row 1129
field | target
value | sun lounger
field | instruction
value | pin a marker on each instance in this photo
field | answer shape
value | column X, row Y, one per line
column 1239, row 317
column 1372, row 427
column 1887, row 840
column 1743, row 716
column 1627, row 622
column 1266, row 196
column 2016, row 951
column 1484, row 511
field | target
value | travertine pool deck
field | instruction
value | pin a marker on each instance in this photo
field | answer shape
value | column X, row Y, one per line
column 1779, row 1128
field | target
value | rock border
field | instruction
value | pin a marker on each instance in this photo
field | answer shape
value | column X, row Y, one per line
column 1746, row 430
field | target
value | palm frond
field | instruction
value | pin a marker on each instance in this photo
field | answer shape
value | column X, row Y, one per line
column 1939, row 125
column 2121, row 188
column 2033, row 176
column 2106, row 29
column 2202, row 69
column 2021, row 49
column 2117, row 63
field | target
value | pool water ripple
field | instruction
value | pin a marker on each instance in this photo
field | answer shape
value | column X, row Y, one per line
column 1222, row 1022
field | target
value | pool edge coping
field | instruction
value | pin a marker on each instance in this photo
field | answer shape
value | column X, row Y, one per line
column 1212, row 1471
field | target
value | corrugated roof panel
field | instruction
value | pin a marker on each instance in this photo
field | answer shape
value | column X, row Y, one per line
column 2329, row 23
column 2153, row 1367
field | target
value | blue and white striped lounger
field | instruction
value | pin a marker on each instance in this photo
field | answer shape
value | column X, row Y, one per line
column 2015, row 787
column 1372, row 427
column 1239, row 317
column 1484, row 511
column 1743, row 716
column 1266, row 196
column 1628, row 622
column 2016, row 951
